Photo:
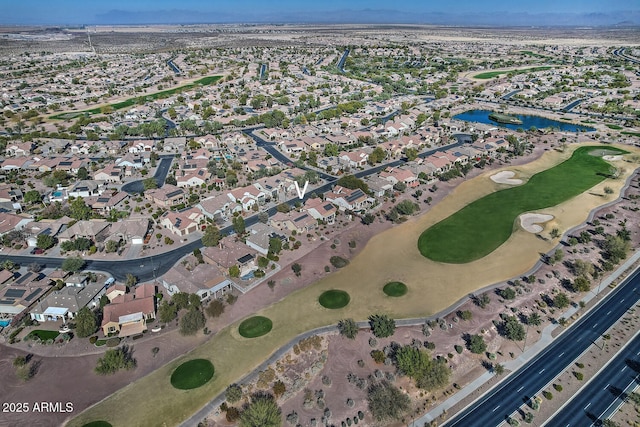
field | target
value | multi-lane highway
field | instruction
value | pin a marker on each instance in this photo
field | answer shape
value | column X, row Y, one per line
column 596, row 401
column 494, row 407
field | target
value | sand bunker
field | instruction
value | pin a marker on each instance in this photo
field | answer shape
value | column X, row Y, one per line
column 506, row 177
column 530, row 221
column 612, row 158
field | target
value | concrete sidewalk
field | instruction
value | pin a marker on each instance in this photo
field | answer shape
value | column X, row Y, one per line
column 513, row 365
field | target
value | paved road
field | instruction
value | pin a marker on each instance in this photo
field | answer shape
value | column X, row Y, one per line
column 494, row 408
column 137, row 187
column 598, row 400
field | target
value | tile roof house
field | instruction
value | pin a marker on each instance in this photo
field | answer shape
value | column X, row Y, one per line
column 259, row 236
column 182, row 223
column 10, row 222
column 94, row 230
column 65, row 303
column 300, row 222
column 127, row 314
column 166, row 196
column 346, row 199
column 321, row 210
column 110, row 173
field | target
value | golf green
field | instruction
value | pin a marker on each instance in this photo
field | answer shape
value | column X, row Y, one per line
column 97, row 424
column 192, row 374
column 255, row 326
column 480, row 227
column 334, row 299
column 395, row 289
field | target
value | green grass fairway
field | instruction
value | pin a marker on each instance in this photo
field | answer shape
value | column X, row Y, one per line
column 255, row 326
column 630, row 133
column 334, row 299
column 614, row 127
column 43, row 335
column 192, row 374
column 205, row 81
column 395, row 289
column 480, row 227
column 492, row 74
column 97, row 424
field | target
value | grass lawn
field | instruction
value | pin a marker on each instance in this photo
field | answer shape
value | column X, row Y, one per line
column 255, row 326
column 205, row 81
column 97, row 424
column 614, row 127
column 334, row 298
column 480, row 227
column 43, row 335
column 192, row 374
column 492, row 74
column 630, row 133
column 395, row 289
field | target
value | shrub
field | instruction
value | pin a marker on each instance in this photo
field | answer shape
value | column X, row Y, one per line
column 458, row 349
column 579, row 375
column 558, row 387
column 338, row 262
column 547, row 395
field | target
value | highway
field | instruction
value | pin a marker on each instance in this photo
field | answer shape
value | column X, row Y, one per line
column 596, row 401
column 494, row 407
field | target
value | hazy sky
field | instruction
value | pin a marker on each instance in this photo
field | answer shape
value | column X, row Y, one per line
column 107, row 11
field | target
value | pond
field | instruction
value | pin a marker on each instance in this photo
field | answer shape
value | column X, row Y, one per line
column 482, row 116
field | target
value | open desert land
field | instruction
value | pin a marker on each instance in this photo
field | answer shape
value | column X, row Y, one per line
column 391, row 255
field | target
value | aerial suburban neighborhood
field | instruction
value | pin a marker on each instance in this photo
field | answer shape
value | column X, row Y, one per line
column 319, row 225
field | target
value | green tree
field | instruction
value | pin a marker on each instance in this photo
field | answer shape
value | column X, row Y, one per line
column 85, row 322
column 45, row 241
column 351, row 182
column 561, row 300
column 263, row 411
column 82, row 173
column 513, row 329
column 581, row 284
column 534, row 319
column 167, row 312
column 377, row 155
column 79, row 210
column 32, row 196
column 215, row 308
column 387, row 402
column 181, row 300
column 348, row 328
column 191, row 322
column 275, row 245
column 211, row 236
column 72, row 264
column 131, row 280
column 498, row 369
column 476, row 344
column 412, row 362
column 382, row 325
column 615, row 248
column 297, row 269
column 114, row 360
column 238, row 225
column 508, row 293
column 234, row 271
column 150, row 184
column 233, row 393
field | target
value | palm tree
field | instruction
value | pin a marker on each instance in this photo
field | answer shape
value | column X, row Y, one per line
column 263, row 411
column 534, row 319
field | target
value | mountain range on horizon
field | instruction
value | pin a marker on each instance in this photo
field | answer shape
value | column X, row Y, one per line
column 627, row 18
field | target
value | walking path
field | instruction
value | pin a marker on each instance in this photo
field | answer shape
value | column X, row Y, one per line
column 545, row 339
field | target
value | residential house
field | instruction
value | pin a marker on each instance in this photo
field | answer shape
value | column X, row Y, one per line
column 65, row 303
column 94, row 230
column 218, row 207
column 129, row 231
column 86, row 188
column 166, row 196
column 354, row 159
column 110, row 173
column 259, row 236
column 321, row 210
column 300, row 222
column 127, row 314
column 10, row 222
column 182, row 223
column 346, row 199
